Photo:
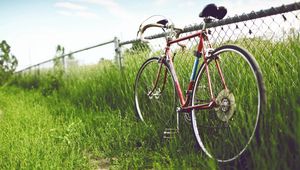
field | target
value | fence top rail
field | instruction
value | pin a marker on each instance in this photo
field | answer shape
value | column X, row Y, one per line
column 62, row 56
column 237, row 18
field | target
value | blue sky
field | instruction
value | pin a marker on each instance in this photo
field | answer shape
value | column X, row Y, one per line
column 33, row 28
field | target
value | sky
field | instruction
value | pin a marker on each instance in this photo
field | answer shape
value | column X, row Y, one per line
column 33, row 28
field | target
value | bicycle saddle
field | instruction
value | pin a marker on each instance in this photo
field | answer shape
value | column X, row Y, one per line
column 211, row 10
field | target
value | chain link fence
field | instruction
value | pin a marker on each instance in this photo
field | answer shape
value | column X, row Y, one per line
column 274, row 25
column 271, row 36
column 258, row 32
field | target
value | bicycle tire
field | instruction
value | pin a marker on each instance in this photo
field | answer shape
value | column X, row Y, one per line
column 217, row 127
column 157, row 112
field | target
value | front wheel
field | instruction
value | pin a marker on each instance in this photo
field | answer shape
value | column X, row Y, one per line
column 225, row 131
column 155, row 96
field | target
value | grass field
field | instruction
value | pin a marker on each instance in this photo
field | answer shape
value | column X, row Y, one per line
column 85, row 119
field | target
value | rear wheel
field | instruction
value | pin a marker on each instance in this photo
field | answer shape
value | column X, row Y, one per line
column 225, row 132
column 155, row 105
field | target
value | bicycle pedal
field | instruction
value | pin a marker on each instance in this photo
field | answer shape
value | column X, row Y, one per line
column 170, row 133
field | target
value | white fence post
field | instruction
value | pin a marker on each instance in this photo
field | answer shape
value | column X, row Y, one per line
column 118, row 56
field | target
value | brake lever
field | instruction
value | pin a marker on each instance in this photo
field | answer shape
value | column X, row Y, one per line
column 140, row 28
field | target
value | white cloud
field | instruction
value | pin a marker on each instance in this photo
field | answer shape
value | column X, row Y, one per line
column 86, row 14
column 82, row 14
column 70, row 6
column 113, row 7
column 187, row 4
column 75, row 10
column 161, row 2
column 65, row 13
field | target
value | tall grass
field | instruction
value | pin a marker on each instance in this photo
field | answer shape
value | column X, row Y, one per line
column 100, row 97
column 32, row 137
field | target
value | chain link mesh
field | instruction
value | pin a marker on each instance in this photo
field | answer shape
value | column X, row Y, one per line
column 271, row 40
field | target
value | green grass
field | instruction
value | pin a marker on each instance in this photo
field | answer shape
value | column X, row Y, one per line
column 33, row 138
column 40, row 132
column 80, row 119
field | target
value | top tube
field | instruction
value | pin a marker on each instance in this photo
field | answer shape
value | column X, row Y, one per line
column 184, row 38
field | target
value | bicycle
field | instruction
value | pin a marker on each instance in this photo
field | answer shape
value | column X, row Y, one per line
column 224, row 98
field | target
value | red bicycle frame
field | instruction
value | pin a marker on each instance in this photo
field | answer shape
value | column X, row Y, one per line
column 185, row 101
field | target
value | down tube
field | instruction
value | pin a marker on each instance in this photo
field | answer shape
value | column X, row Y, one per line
column 178, row 89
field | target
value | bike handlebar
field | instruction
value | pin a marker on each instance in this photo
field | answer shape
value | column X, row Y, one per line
column 144, row 28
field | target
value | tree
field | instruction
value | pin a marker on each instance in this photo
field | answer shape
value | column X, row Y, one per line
column 8, row 62
column 59, row 62
column 55, row 77
column 139, row 46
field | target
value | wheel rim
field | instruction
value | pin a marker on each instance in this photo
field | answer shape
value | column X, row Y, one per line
column 157, row 109
column 225, row 136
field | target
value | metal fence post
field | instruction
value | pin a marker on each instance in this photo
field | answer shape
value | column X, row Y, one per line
column 64, row 63
column 118, row 57
column 38, row 70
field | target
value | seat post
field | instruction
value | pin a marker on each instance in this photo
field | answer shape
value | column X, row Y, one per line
column 208, row 20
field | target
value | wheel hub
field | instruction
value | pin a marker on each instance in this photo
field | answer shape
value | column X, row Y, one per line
column 155, row 93
column 225, row 105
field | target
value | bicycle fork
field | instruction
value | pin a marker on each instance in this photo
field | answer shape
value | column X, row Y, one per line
column 169, row 133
